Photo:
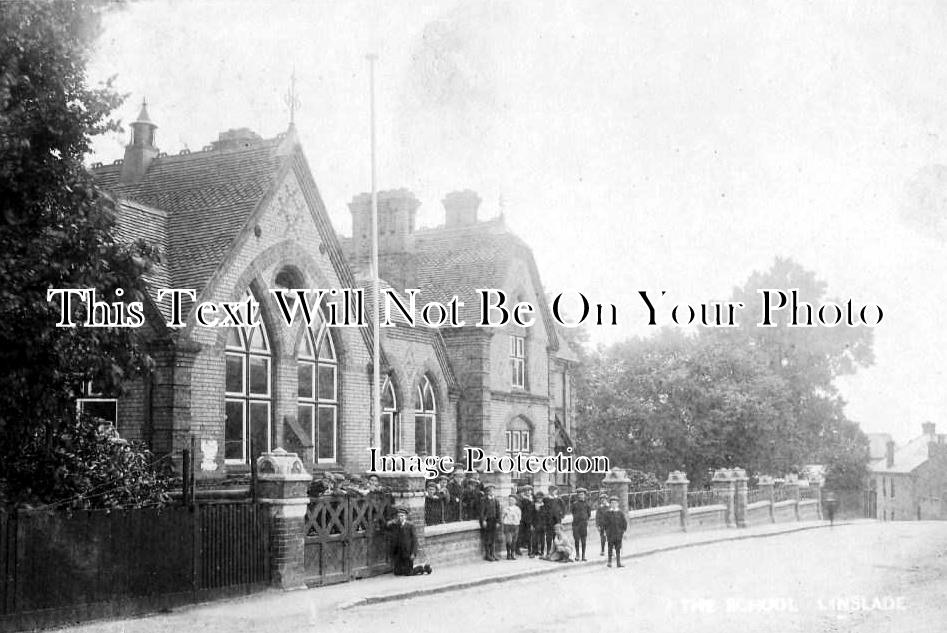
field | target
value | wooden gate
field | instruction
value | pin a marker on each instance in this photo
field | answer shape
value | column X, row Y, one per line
column 345, row 538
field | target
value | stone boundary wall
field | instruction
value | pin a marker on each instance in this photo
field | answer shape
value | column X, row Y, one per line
column 784, row 511
column 456, row 543
column 282, row 488
column 653, row 521
column 808, row 510
column 759, row 513
column 712, row 517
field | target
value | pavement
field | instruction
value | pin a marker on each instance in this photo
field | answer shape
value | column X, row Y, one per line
column 318, row 604
column 389, row 588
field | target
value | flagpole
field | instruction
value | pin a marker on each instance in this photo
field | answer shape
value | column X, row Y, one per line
column 376, row 340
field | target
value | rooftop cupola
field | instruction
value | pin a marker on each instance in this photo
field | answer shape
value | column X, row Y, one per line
column 141, row 150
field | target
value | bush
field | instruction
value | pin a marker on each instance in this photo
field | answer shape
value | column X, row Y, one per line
column 84, row 465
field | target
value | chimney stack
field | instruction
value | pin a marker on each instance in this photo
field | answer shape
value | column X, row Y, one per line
column 397, row 210
column 141, row 150
column 929, row 428
column 461, row 208
column 889, row 454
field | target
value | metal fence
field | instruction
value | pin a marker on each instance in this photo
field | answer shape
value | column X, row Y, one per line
column 59, row 567
column 781, row 493
column 699, row 498
column 438, row 511
column 644, row 499
column 755, row 494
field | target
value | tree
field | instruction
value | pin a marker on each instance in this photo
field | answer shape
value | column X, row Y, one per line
column 682, row 402
column 809, row 359
column 56, row 232
column 759, row 398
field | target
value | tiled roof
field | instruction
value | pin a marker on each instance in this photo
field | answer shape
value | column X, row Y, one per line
column 208, row 197
column 138, row 221
column 459, row 261
column 907, row 457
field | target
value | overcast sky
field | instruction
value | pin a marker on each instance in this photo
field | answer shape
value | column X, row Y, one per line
column 670, row 146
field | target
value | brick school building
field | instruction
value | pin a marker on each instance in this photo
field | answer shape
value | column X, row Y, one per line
column 244, row 216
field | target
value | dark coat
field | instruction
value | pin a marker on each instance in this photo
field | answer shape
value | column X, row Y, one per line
column 600, row 511
column 455, row 490
column 556, row 507
column 470, row 499
column 403, row 545
column 615, row 524
column 527, row 513
column 545, row 516
column 581, row 511
column 489, row 511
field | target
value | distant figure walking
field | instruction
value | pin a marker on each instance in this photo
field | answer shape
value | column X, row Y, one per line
column 831, row 503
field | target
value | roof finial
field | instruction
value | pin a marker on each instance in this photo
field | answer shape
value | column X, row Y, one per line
column 291, row 100
column 143, row 113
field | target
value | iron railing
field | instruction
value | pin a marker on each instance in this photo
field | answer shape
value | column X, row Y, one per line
column 699, row 498
column 644, row 499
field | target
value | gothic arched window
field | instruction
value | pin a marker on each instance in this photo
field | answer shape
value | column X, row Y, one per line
column 318, row 407
column 425, row 418
column 390, row 420
column 248, row 394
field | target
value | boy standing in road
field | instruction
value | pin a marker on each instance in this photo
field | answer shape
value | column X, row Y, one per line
column 600, row 520
column 511, row 526
column 615, row 526
column 489, row 519
column 581, row 511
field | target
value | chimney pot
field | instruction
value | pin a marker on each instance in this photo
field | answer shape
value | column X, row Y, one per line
column 889, row 454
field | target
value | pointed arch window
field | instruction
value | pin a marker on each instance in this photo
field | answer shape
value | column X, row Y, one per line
column 390, row 419
column 318, row 405
column 248, row 394
column 425, row 418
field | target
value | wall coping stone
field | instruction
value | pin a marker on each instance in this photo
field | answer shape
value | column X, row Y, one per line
column 757, row 504
column 716, row 507
column 783, row 504
column 648, row 512
column 451, row 528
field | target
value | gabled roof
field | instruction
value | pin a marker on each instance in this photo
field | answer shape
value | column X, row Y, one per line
column 460, row 260
column 906, row 458
column 208, row 197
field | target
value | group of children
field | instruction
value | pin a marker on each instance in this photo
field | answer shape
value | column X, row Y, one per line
column 534, row 522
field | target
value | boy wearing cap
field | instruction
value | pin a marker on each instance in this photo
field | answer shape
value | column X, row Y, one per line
column 556, row 509
column 489, row 518
column 511, row 526
column 581, row 511
column 403, row 546
column 615, row 526
column 526, row 520
column 600, row 520
column 540, row 516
